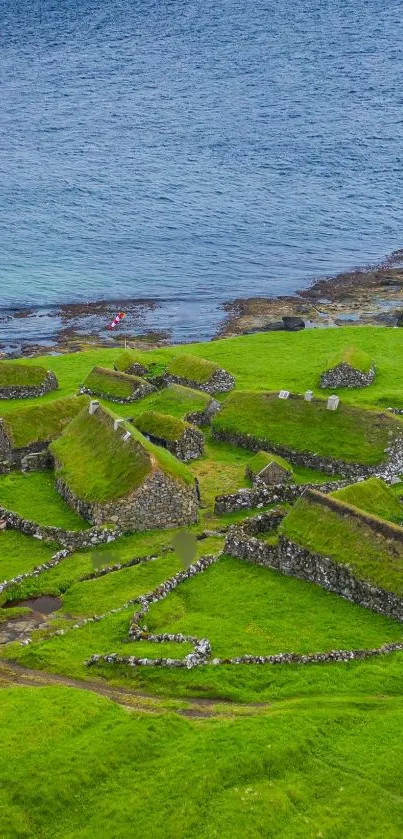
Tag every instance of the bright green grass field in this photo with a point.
(90, 769)
(370, 556)
(19, 554)
(33, 495)
(349, 434)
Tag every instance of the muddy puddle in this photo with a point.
(44, 605)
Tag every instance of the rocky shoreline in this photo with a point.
(371, 295)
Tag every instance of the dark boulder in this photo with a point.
(293, 323)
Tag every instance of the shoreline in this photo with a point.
(370, 295)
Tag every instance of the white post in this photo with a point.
(117, 423)
(308, 396)
(332, 403)
(93, 406)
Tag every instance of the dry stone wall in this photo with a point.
(189, 446)
(72, 540)
(220, 382)
(26, 391)
(206, 416)
(345, 376)
(262, 495)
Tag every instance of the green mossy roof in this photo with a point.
(176, 400)
(37, 423)
(369, 555)
(21, 375)
(126, 358)
(193, 368)
(112, 383)
(98, 466)
(373, 496)
(350, 434)
(354, 357)
(159, 425)
(262, 459)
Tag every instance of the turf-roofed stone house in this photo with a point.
(182, 439)
(132, 363)
(195, 372)
(269, 468)
(188, 404)
(23, 381)
(115, 386)
(351, 367)
(110, 473)
(25, 434)
(350, 442)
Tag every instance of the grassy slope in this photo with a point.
(33, 496)
(354, 356)
(102, 380)
(368, 555)
(160, 425)
(350, 434)
(45, 421)
(21, 375)
(373, 496)
(328, 770)
(19, 554)
(126, 358)
(175, 400)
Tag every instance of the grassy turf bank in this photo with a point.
(354, 357)
(373, 496)
(369, 556)
(21, 375)
(192, 368)
(42, 422)
(350, 434)
(161, 425)
(261, 459)
(33, 496)
(111, 382)
(176, 400)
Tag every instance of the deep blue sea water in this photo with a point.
(195, 151)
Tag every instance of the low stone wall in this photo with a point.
(219, 382)
(262, 496)
(320, 463)
(144, 389)
(345, 376)
(206, 416)
(72, 540)
(37, 461)
(295, 561)
(26, 392)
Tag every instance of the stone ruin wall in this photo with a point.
(206, 416)
(72, 540)
(219, 382)
(345, 376)
(262, 495)
(25, 391)
(144, 389)
(294, 561)
(189, 446)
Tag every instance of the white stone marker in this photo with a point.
(117, 423)
(333, 403)
(93, 406)
(126, 436)
(284, 394)
(308, 396)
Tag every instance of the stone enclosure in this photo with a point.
(48, 384)
(344, 375)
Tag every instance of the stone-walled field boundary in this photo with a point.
(386, 528)
(261, 496)
(72, 540)
(294, 561)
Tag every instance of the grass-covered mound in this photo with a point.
(176, 400)
(46, 421)
(369, 555)
(350, 434)
(161, 425)
(128, 357)
(373, 496)
(193, 368)
(355, 357)
(33, 496)
(262, 459)
(101, 381)
(21, 375)
(99, 466)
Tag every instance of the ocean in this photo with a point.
(191, 152)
